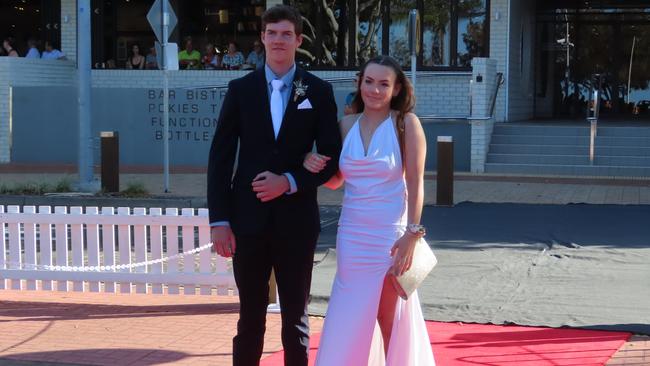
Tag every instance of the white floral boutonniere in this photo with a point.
(301, 89)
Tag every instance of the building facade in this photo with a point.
(546, 53)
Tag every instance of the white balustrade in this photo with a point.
(101, 250)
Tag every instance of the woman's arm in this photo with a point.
(141, 65)
(415, 150)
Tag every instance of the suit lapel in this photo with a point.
(287, 119)
(265, 107)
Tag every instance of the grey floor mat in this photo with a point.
(570, 265)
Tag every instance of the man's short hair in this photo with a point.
(279, 13)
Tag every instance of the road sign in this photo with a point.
(156, 20)
(172, 56)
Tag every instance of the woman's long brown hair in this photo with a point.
(403, 102)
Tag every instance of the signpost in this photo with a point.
(86, 172)
(414, 41)
(163, 20)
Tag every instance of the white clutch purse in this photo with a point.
(423, 262)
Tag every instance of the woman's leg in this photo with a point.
(386, 313)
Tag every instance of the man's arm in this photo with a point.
(328, 142)
(222, 158)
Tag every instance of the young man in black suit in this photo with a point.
(266, 216)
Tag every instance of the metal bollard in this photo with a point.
(445, 174)
(110, 160)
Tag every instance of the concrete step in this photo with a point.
(569, 150)
(539, 149)
(540, 130)
(642, 151)
(622, 161)
(624, 131)
(554, 130)
(578, 170)
(569, 140)
(538, 159)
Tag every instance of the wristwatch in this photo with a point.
(416, 229)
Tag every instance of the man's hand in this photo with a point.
(269, 186)
(223, 240)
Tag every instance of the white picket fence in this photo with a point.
(36, 244)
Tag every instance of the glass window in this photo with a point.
(399, 31)
(30, 19)
(369, 35)
(472, 27)
(436, 39)
(324, 33)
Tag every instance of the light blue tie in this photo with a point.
(276, 105)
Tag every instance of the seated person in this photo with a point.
(9, 47)
(51, 53)
(33, 51)
(189, 58)
(151, 62)
(136, 61)
(233, 60)
(210, 60)
(256, 57)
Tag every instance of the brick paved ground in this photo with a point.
(101, 329)
(58, 328)
(636, 352)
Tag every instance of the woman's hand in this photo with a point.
(315, 162)
(402, 253)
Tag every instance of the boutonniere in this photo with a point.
(301, 89)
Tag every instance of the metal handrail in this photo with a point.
(593, 112)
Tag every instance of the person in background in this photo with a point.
(349, 108)
(233, 60)
(9, 46)
(256, 57)
(33, 50)
(151, 62)
(189, 58)
(136, 61)
(51, 53)
(210, 60)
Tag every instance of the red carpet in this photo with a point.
(458, 344)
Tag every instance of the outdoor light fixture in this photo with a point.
(223, 16)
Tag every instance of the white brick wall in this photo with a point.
(498, 48)
(481, 129)
(69, 29)
(441, 94)
(436, 93)
(27, 72)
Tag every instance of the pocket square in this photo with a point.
(305, 104)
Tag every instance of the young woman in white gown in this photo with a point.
(366, 322)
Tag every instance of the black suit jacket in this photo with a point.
(245, 118)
